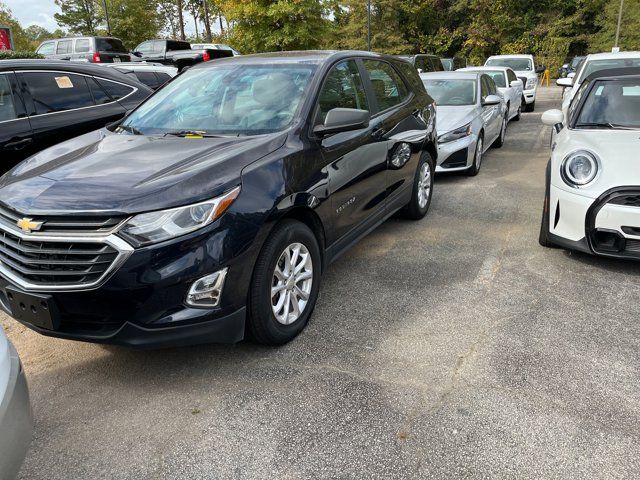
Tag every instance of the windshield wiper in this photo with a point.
(130, 129)
(186, 133)
(606, 125)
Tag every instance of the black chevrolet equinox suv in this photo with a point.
(210, 211)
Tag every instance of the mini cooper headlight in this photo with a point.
(579, 168)
(456, 134)
(154, 227)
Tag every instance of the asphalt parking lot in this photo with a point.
(453, 347)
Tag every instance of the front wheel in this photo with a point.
(530, 107)
(420, 201)
(285, 284)
(474, 169)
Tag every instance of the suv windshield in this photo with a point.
(110, 45)
(225, 100)
(612, 104)
(522, 64)
(452, 92)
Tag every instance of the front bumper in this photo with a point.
(16, 420)
(457, 155)
(601, 226)
(143, 303)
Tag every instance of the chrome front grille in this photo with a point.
(65, 254)
(70, 224)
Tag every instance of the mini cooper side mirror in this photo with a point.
(565, 82)
(553, 117)
(491, 100)
(343, 120)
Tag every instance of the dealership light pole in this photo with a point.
(106, 16)
(369, 25)
(619, 22)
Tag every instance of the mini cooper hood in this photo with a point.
(117, 173)
(452, 117)
(618, 153)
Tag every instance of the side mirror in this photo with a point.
(343, 120)
(137, 54)
(419, 70)
(571, 74)
(553, 117)
(516, 84)
(565, 82)
(541, 69)
(491, 100)
(566, 65)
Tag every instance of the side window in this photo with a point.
(7, 108)
(46, 48)
(57, 91)
(511, 76)
(163, 77)
(148, 78)
(158, 46)
(64, 46)
(144, 47)
(437, 64)
(82, 45)
(343, 88)
(388, 88)
(115, 90)
(492, 86)
(99, 95)
(422, 65)
(484, 86)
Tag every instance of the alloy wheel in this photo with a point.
(291, 283)
(424, 185)
(478, 152)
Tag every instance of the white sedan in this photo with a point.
(509, 85)
(592, 201)
(16, 421)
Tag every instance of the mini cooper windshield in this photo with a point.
(226, 100)
(613, 104)
(452, 92)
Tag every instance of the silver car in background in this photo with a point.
(16, 419)
(509, 85)
(472, 117)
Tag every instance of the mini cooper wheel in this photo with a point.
(285, 284)
(420, 201)
(503, 133)
(474, 169)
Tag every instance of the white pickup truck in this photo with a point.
(525, 69)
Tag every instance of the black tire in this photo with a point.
(499, 142)
(530, 107)
(262, 325)
(414, 210)
(474, 169)
(543, 237)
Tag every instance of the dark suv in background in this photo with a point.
(210, 212)
(424, 62)
(44, 102)
(85, 49)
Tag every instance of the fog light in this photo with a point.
(206, 291)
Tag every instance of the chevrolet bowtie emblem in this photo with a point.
(27, 225)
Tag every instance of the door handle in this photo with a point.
(18, 145)
(378, 133)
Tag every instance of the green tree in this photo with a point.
(272, 25)
(79, 16)
(132, 21)
(608, 20)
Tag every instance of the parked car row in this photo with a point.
(178, 54)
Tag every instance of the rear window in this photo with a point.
(115, 90)
(149, 79)
(110, 45)
(172, 45)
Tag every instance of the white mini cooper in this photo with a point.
(592, 200)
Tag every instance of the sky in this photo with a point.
(40, 12)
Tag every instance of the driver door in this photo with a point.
(355, 162)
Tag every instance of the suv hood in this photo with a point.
(125, 174)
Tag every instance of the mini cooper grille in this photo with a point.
(66, 224)
(61, 263)
(626, 200)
